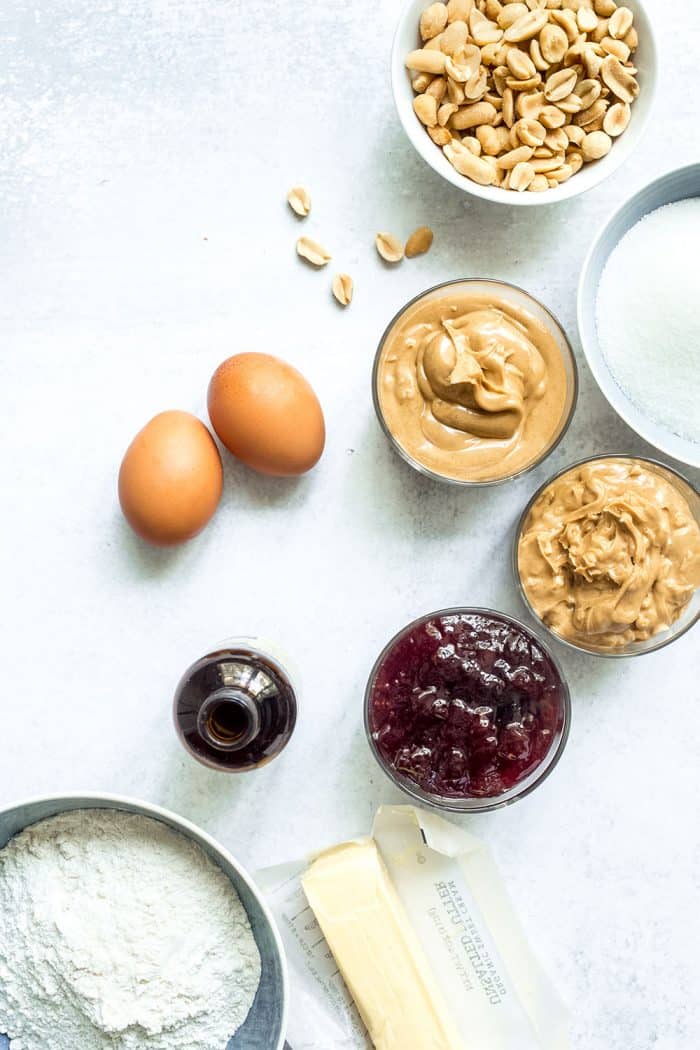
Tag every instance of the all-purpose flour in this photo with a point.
(117, 933)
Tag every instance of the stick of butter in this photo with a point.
(377, 951)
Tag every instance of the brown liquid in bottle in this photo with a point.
(235, 709)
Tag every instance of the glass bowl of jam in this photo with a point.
(467, 710)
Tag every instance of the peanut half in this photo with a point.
(299, 201)
(343, 288)
(312, 252)
(389, 247)
(419, 242)
(521, 94)
(433, 21)
(616, 119)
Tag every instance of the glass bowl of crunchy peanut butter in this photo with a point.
(474, 382)
(607, 555)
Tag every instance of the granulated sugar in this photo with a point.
(648, 315)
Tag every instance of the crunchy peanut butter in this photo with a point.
(473, 387)
(610, 554)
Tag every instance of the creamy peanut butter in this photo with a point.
(609, 554)
(472, 386)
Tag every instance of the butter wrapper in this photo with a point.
(448, 883)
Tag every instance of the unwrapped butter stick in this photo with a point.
(377, 951)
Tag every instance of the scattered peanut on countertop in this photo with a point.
(299, 201)
(389, 247)
(419, 242)
(521, 95)
(312, 252)
(343, 287)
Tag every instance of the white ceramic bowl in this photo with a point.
(407, 38)
(674, 186)
(265, 1026)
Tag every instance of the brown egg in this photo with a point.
(266, 414)
(171, 478)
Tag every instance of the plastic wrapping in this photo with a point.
(456, 902)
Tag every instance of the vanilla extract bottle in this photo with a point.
(235, 708)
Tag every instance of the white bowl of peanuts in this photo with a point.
(524, 101)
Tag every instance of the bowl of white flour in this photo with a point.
(638, 313)
(125, 927)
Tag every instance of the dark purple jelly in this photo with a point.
(466, 705)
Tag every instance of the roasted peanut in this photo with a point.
(299, 201)
(467, 164)
(620, 23)
(440, 136)
(437, 88)
(459, 10)
(553, 42)
(559, 85)
(619, 80)
(552, 117)
(526, 27)
(514, 156)
(616, 119)
(312, 252)
(454, 37)
(425, 107)
(510, 14)
(426, 61)
(343, 288)
(482, 30)
(596, 145)
(493, 140)
(521, 176)
(473, 116)
(530, 132)
(389, 247)
(419, 242)
(433, 21)
(521, 65)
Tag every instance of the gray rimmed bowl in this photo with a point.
(690, 615)
(677, 185)
(518, 297)
(265, 1026)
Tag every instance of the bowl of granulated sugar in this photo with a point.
(639, 313)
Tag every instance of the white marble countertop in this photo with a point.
(146, 147)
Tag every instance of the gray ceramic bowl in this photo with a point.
(265, 1026)
(674, 186)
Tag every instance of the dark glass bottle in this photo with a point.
(235, 708)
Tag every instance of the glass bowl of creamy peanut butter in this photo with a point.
(474, 382)
(607, 555)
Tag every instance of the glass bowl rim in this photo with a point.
(459, 482)
(471, 805)
(616, 655)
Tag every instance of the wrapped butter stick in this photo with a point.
(377, 951)
(432, 891)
